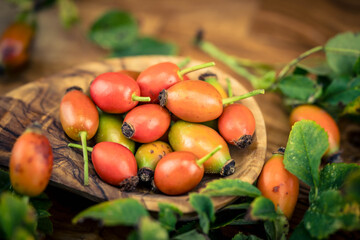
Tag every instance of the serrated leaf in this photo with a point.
(16, 216)
(117, 212)
(263, 208)
(297, 87)
(146, 46)
(241, 236)
(342, 61)
(168, 215)
(333, 176)
(230, 187)
(149, 229)
(326, 216)
(68, 12)
(307, 143)
(193, 235)
(205, 210)
(114, 30)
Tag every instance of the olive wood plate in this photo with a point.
(39, 101)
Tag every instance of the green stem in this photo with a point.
(246, 95)
(83, 135)
(184, 62)
(230, 61)
(139, 98)
(295, 61)
(229, 87)
(74, 145)
(201, 161)
(197, 67)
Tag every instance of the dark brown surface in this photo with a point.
(272, 31)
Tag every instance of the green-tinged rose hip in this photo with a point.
(147, 157)
(200, 140)
(110, 131)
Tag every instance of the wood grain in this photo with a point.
(39, 101)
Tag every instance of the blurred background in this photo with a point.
(268, 31)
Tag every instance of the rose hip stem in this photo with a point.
(246, 95)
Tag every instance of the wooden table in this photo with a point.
(272, 31)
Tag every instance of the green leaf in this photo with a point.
(306, 145)
(41, 202)
(114, 30)
(205, 209)
(342, 51)
(278, 228)
(263, 208)
(117, 212)
(168, 215)
(301, 233)
(68, 12)
(149, 229)
(146, 46)
(326, 215)
(352, 186)
(4, 181)
(231, 215)
(356, 68)
(241, 236)
(276, 224)
(342, 91)
(353, 108)
(333, 176)
(230, 187)
(297, 87)
(17, 216)
(193, 235)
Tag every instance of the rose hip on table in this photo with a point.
(278, 184)
(80, 120)
(180, 171)
(146, 123)
(115, 92)
(31, 162)
(162, 76)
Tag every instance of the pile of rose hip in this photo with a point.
(183, 127)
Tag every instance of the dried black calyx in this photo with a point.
(163, 98)
(127, 129)
(207, 75)
(228, 168)
(129, 184)
(145, 174)
(281, 150)
(244, 141)
(74, 88)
